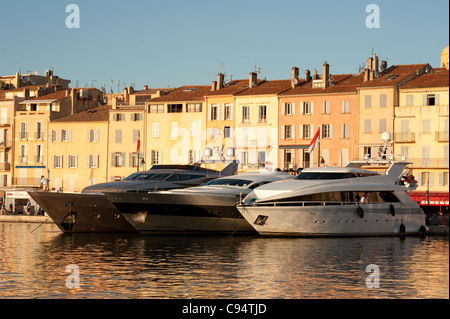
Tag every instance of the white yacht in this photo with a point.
(209, 208)
(327, 202)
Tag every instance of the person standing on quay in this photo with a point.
(44, 183)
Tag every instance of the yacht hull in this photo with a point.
(81, 213)
(158, 213)
(335, 220)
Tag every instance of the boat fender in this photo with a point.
(422, 229)
(392, 209)
(402, 229)
(360, 212)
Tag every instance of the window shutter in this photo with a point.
(52, 161)
(301, 131)
(424, 99)
(283, 108)
(293, 132)
(293, 108)
(431, 178)
(283, 130)
(436, 101)
(123, 159)
(331, 130)
(210, 117)
(302, 108)
(441, 179)
(112, 159)
(312, 107)
(130, 159)
(67, 161)
(231, 111)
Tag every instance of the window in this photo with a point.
(262, 114)
(93, 136)
(228, 112)
(214, 112)
(73, 161)
(92, 161)
(66, 135)
(244, 158)
(289, 132)
(193, 127)
(308, 108)
(404, 150)
(23, 130)
(410, 100)
(426, 156)
(174, 108)
(33, 107)
(345, 131)
(23, 153)
(327, 131)
(346, 106)
(39, 154)
(289, 109)
(39, 131)
(158, 108)
(425, 178)
(118, 159)
(155, 157)
(326, 107)
(53, 136)
(134, 159)
(57, 161)
(136, 134)
(192, 156)
(136, 117)
(367, 126)
(193, 107)
(155, 129)
(227, 131)
(443, 179)
(118, 136)
(383, 100)
(368, 101)
(382, 126)
(246, 114)
(426, 126)
(174, 130)
(431, 99)
(118, 117)
(307, 131)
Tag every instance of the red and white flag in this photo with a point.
(314, 142)
(138, 143)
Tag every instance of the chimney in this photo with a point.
(375, 64)
(213, 85)
(326, 75)
(125, 95)
(253, 80)
(294, 77)
(307, 76)
(145, 87)
(366, 74)
(383, 66)
(220, 81)
(314, 74)
(114, 103)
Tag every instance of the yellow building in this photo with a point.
(31, 130)
(221, 110)
(176, 126)
(257, 124)
(378, 98)
(78, 150)
(422, 130)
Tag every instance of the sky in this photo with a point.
(175, 43)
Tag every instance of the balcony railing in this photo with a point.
(22, 159)
(39, 135)
(429, 162)
(441, 136)
(405, 137)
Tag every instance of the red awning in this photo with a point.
(436, 199)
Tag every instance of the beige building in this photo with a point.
(378, 98)
(422, 130)
(32, 134)
(78, 150)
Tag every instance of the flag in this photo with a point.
(314, 142)
(138, 143)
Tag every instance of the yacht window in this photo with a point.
(183, 177)
(324, 175)
(231, 182)
(146, 176)
(344, 197)
(258, 184)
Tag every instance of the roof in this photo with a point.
(58, 95)
(342, 83)
(151, 91)
(268, 87)
(394, 75)
(231, 88)
(187, 93)
(437, 78)
(97, 114)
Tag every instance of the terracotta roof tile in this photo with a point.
(342, 83)
(268, 87)
(437, 78)
(58, 95)
(394, 75)
(187, 93)
(231, 88)
(97, 114)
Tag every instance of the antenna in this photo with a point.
(257, 69)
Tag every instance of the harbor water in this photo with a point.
(39, 261)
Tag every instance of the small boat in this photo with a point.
(90, 210)
(326, 201)
(206, 209)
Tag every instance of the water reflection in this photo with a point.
(33, 265)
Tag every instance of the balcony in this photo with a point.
(441, 136)
(39, 135)
(405, 137)
(429, 162)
